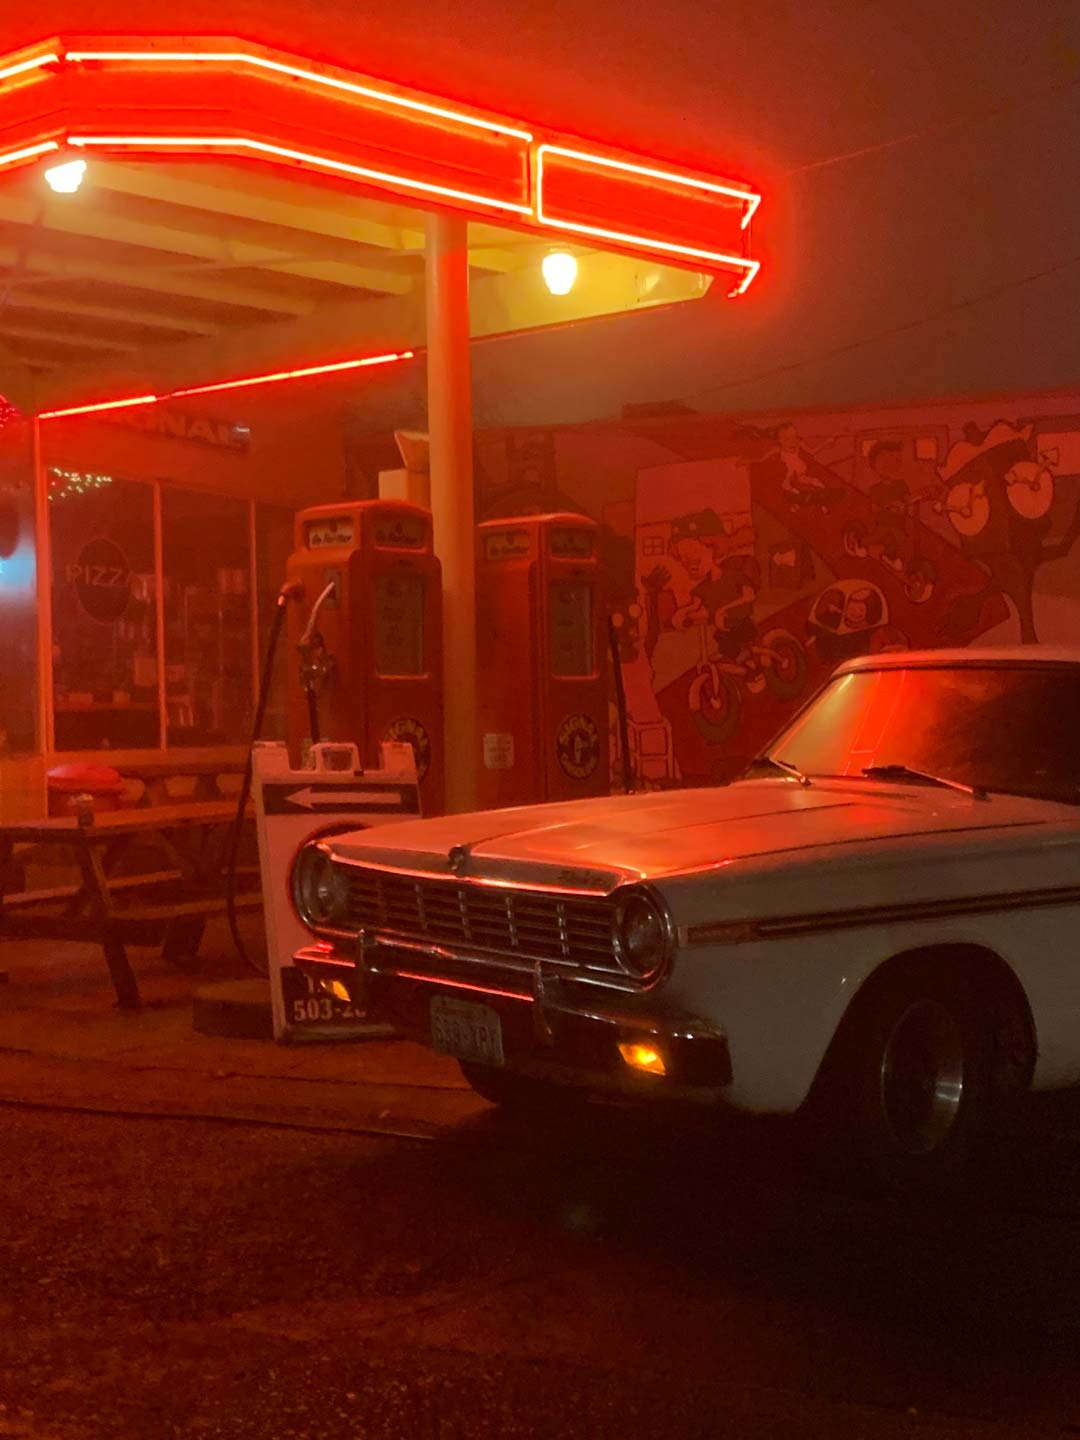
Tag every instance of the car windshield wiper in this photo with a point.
(767, 762)
(905, 772)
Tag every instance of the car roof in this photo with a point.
(998, 655)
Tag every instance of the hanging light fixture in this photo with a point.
(65, 179)
(559, 270)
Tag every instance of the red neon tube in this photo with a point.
(24, 67)
(549, 184)
(28, 152)
(277, 67)
(651, 243)
(291, 374)
(241, 143)
(269, 379)
(99, 405)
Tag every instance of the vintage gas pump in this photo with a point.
(372, 660)
(541, 660)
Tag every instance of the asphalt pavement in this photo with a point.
(236, 1239)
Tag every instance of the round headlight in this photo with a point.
(642, 935)
(320, 888)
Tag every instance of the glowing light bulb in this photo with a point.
(559, 271)
(65, 179)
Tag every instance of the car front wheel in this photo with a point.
(907, 1085)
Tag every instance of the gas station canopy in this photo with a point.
(247, 213)
(181, 216)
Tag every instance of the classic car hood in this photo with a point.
(596, 844)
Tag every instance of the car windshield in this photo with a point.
(1014, 729)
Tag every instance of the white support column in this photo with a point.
(43, 562)
(159, 618)
(449, 388)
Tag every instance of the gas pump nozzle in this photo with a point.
(330, 592)
(316, 662)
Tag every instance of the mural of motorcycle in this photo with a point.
(893, 538)
(777, 663)
(851, 618)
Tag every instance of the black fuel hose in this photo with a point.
(620, 705)
(292, 590)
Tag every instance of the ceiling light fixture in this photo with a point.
(66, 178)
(559, 270)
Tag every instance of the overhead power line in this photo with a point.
(930, 132)
(888, 332)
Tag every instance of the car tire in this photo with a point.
(517, 1092)
(907, 1091)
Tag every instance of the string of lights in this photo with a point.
(69, 484)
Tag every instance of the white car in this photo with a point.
(881, 918)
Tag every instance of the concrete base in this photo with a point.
(238, 1009)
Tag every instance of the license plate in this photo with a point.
(466, 1030)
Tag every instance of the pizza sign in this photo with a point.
(101, 579)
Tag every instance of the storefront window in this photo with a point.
(104, 620)
(206, 568)
(18, 606)
(106, 610)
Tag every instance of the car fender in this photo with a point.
(781, 1001)
(779, 1004)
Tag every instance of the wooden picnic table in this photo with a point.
(169, 904)
(209, 779)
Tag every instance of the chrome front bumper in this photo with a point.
(552, 1029)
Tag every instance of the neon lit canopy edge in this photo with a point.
(244, 383)
(91, 94)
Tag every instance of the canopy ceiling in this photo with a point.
(244, 211)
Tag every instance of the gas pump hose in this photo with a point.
(291, 590)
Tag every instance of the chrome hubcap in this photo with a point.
(922, 1077)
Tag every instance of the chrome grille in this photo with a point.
(467, 917)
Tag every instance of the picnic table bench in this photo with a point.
(168, 905)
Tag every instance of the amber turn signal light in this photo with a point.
(640, 1056)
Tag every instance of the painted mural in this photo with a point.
(747, 556)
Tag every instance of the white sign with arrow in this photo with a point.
(332, 796)
(311, 799)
